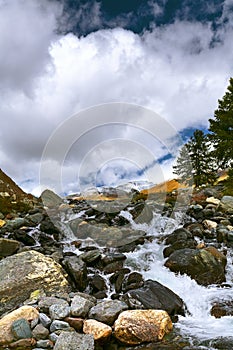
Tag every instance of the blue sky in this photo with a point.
(59, 58)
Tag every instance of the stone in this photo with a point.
(75, 322)
(107, 311)
(59, 311)
(209, 224)
(134, 327)
(50, 199)
(8, 247)
(226, 204)
(44, 344)
(204, 265)
(222, 308)
(28, 313)
(80, 306)
(153, 295)
(22, 344)
(100, 331)
(21, 329)
(213, 200)
(44, 320)
(74, 341)
(98, 283)
(40, 332)
(57, 325)
(90, 257)
(45, 303)
(2, 223)
(22, 273)
(14, 224)
(77, 270)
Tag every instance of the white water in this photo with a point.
(148, 259)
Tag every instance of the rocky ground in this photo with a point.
(64, 284)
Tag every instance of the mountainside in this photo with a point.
(9, 189)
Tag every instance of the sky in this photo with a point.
(61, 61)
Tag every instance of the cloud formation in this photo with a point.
(178, 70)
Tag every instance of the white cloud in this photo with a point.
(177, 70)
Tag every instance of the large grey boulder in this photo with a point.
(23, 273)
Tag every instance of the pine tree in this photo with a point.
(195, 163)
(221, 128)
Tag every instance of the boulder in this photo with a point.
(222, 308)
(22, 273)
(8, 247)
(154, 295)
(50, 199)
(77, 270)
(134, 327)
(107, 311)
(74, 341)
(100, 331)
(226, 204)
(27, 313)
(206, 266)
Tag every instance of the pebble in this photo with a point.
(56, 325)
(59, 311)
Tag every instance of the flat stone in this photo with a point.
(74, 341)
(21, 329)
(28, 313)
(24, 344)
(46, 302)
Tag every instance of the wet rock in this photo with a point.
(220, 343)
(90, 257)
(100, 331)
(180, 244)
(24, 237)
(48, 227)
(8, 247)
(98, 283)
(107, 311)
(154, 295)
(204, 265)
(21, 329)
(26, 312)
(40, 332)
(134, 327)
(180, 234)
(133, 281)
(77, 270)
(12, 225)
(74, 341)
(222, 308)
(80, 306)
(22, 273)
(142, 215)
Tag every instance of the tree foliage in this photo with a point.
(195, 164)
(221, 128)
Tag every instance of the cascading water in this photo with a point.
(198, 323)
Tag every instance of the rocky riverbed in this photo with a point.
(67, 279)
